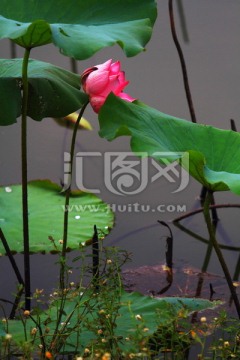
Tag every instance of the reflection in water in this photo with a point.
(209, 244)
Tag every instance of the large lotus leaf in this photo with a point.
(53, 92)
(79, 28)
(154, 312)
(214, 154)
(46, 212)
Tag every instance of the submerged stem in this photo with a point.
(67, 199)
(211, 231)
(25, 180)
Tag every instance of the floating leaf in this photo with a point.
(214, 154)
(53, 91)
(46, 212)
(84, 309)
(79, 28)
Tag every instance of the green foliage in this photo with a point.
(79, 28)
(82, 319)
(214, 154)
(2, 331)
(46, 212)
(53, 91)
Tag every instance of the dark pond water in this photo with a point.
(212, 56)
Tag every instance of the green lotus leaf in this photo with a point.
(79, 28)
(53, 92)
(154, 312)
(46, 213)
(211, 155)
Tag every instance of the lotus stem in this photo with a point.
(11, 258)
(211, 231)
(95, 259)
(27, 280)
(183, 23)
(65, 224)
(197, 211)
(182, 61)
(67, 199)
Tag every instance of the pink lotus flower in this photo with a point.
(98, 81)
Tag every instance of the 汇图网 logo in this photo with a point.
(126, 173)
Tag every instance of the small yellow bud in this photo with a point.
(193, 334)
(8, 337)
(34, 331)
(38, 291)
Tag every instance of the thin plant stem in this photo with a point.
(202, 239)
(233, 125)
(237, 270)
(11, 258)
(211, 231)
(207, 258)
(169, 243)
(67, 200)
(186, 83)
(74, 66)
(95, 259)
(17, 273)
(16, 302)
(25, 180)
(65, 224)
(13, 49)
(182, 20)
(197, 211)
(182, 61)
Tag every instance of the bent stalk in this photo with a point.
(62, 284)
(67, 199)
